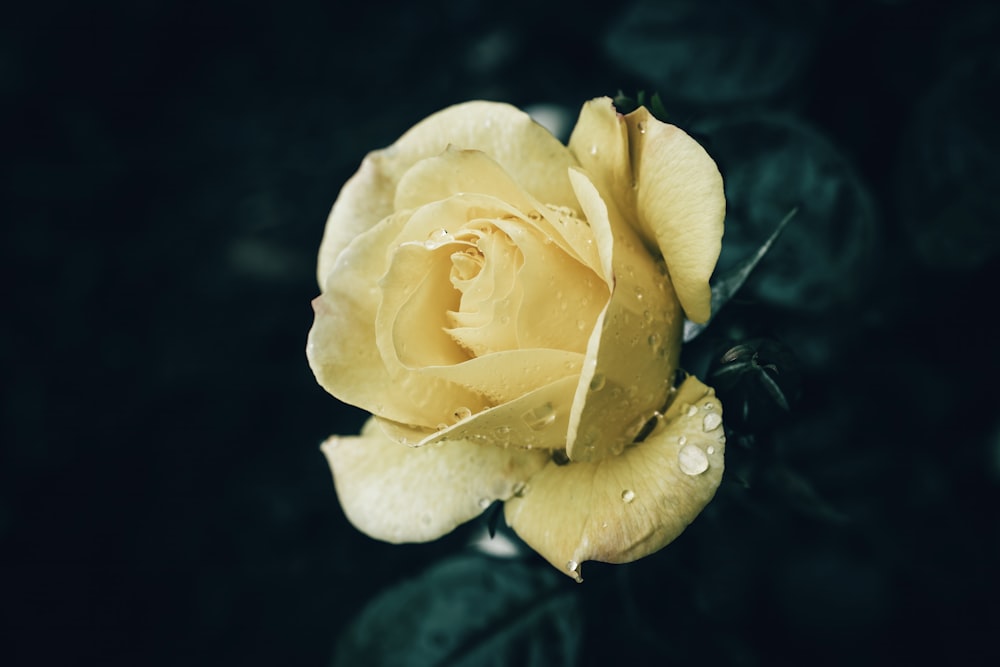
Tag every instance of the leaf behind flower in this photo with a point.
(468, 611)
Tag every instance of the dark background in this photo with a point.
(168, 167)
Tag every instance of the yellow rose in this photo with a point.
(509, 309)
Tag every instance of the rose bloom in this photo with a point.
(509, 309)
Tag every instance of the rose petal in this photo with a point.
(402, 494)
(635, 347)
(342, 348)
(522, 147)
(561, 297)
(622, 508)
(505, 376)
(492, 193)
(674, 192)
(535, 420)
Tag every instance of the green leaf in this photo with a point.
(468, 611)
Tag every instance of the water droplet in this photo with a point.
(484, 503)
(628, 495)
(692, 411)
(461, 413)
(597, 382)
(648, 316)
(639, 293)
(442, 426)
(710, 449)
(682, 440)
(502, 430)
(593, 149)
(711, 422)
(573, 566)
(519, 489)
(654, 340)
(641, 127)
(708, 406)
(488, 123)
(539, 417)
(581, 325)
(692, 460)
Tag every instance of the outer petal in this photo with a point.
(535, 420)
(674, 193)
(633, 351)
(402, 494)
(523, 148)
(625, 507)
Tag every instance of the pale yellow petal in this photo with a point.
(342, 348)
(398, 494)
(504, 376)
(537, 419)
(526, 150)
(632, 354)
(561, 297)
(681, 204)
(625, 507)
(474, 180)
(600, 143)
(663, 182)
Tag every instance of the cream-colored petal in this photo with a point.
(600, 143)
(663, 182)
(459, 171)
(526, 150)
(403, 494)
(680, 202)
(341, 345)
(342, 348)
(561, 296)
(633, 351)
(474, 180)
(416, 297)
(625, 507)
(537, 419)
(504, 376)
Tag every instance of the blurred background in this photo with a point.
(167, 171)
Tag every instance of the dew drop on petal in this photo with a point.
(484, 503)
(573, 568)
(692, 460)
(540, 417)
(628, 495)
(641, 127)
(462, 413)
(711, 422)
(682, 440)
(692, 411)
(593, 149)
(710, 449)
(597, 382)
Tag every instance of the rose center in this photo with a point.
(484, 271)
